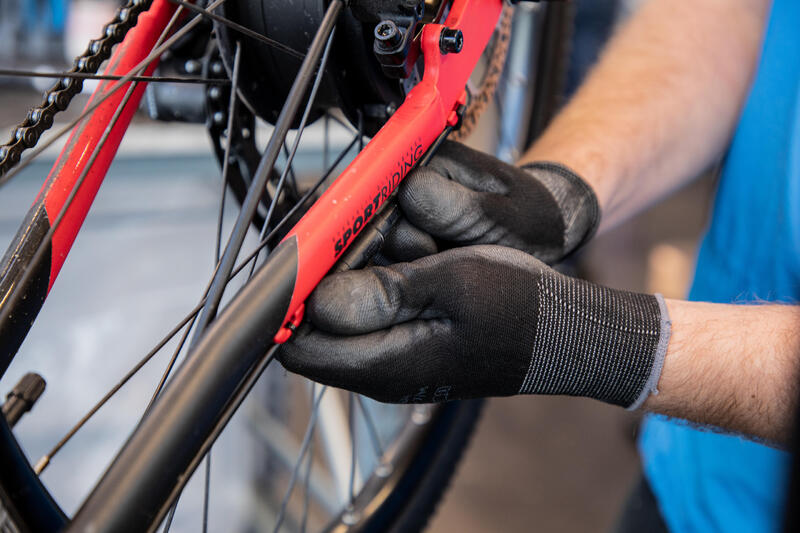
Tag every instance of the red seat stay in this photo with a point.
(83, 140)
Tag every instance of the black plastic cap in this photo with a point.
(451, 41)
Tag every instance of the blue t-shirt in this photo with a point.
(712, 482)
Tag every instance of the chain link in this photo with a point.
(40, 118)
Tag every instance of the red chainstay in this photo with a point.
(344, 209)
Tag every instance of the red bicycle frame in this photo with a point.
(75, 156)
(80, 155)
(328, 227)
(344, 209)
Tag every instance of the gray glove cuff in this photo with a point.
(651, 386)
(596, 342)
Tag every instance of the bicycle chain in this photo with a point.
(40, 119)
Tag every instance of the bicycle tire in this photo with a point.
(410, 507)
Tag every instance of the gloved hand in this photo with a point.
(466, 197)
(479, 321)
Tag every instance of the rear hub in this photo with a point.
(354, 79)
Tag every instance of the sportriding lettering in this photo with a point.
(405, 165)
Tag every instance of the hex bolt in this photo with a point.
(451, 41)
(387, 35)
(219, 117)
(214, 93)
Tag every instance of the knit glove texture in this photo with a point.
(479, 321)
(464, 197)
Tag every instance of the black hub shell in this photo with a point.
(353, 79)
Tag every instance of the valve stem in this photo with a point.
(22, 397)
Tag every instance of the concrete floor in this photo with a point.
(543, 464)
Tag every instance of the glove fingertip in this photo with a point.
(357, 302)
(335, 305)
(438, 205)
(407, 243)
(420, 187)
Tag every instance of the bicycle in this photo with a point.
(230, 346)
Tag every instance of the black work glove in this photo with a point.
(466, 197)
(479, 321)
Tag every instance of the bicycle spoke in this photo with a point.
(253, 198)
(225, 167)
(498, 101)
(303, 450)
(292, 175)
(170, 516)
(206, 491)
(86, 76)
(170, 365)
(301, 128)
(193, 314)
(307, 489)
(241, 29)
(352, 426)
(218, 243)
(307, 196)
(360, 131)
(141, 66)
(43, 248)
(371, 428)
(227, 161)
(44, 461)
(233, 405)
(325, 140)
(307, 477)
(40, 252)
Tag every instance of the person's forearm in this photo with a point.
(736, 367)
(661, 104)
